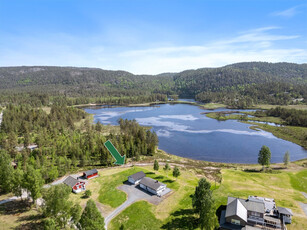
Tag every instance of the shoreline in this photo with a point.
(249, 121)
(207, 106)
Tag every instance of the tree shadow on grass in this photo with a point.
(183, 219)
(15, 207)
(159, 177)
(168, 181)
(149, 173)
(34, 217)
(30, 226)
(185, 222)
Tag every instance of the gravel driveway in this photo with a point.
(135, 193)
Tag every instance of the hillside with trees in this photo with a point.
(238, 85)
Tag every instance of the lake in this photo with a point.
(184, 131)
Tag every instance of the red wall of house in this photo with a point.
(95, 174)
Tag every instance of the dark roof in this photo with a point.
(138, 175)
(286, 211)
(236, 208)
(151, 183)
(90, 172)
(70, 181)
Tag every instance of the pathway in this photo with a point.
(134, 193)
(23, 196)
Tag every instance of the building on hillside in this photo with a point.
(76, 185)
(254, 213)
(285, 214)
(152, 186)
(136, 178)
(90, 173)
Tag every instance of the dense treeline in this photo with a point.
(275, 93)
(239, 85)
(66, 139)
(38, 99)
(290, 116)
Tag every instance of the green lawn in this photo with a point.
(110, 195)
(175, 212)
(299, 180)
(172, 211)
(137, 216)
(284, 187)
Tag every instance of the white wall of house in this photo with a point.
(156, 192)
(78, 190)
(132, 181)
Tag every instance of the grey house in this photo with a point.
(285, 214)
(152, 186)
(254, 213)
(136, 178)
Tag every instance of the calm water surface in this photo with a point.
(184, 131)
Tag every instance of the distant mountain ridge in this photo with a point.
(82, 81)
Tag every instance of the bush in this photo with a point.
(87, 193)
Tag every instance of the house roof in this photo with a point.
(151, 183)
(286, 211)
(70, 181)
(138, 175)
(254, 206)
(269, 203)
(90, 172)
(236, 208)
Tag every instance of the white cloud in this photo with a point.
(288, 13)
(252, 45)
(260, 44)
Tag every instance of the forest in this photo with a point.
(238, 85)
(63, 145)
(290, 116)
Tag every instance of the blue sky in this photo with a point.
(151, 36)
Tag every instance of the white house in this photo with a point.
(152, 186)
(136, 178)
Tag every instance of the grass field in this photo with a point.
(285, 187)
(263, 106)
(164, 214)
(294, 134)
(215, 115)
(176, 211)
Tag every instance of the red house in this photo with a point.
(90, 173)
(76, 185)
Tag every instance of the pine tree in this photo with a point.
(91, 218)
(166, 167)
(287, 158)
(6, 172)
(203, 205)
(176, 172)
(156, 165)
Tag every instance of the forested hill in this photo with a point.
(251, 82)
(78, 81)
(282, 69)
(192, 82)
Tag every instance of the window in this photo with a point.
(233, 221)
(255, 214)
